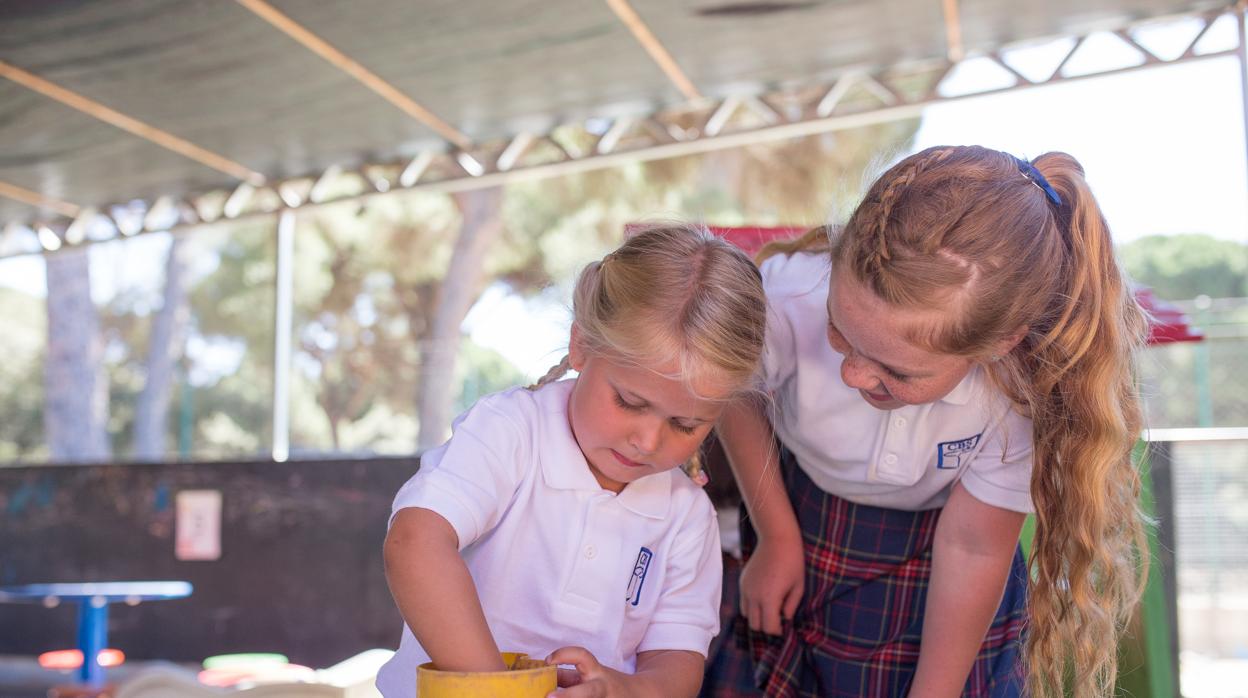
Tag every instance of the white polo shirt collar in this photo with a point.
(564, 467)
(553, 555)
(907, 458)
(962, 392)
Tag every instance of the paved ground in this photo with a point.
(22, 677)
(1202, 677)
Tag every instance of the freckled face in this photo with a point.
(631, 422)
(886, 368)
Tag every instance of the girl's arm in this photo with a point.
(774, 578)
(659, 673)
(971, 556)
(670, 672)
(434, 592)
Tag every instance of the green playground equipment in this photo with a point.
(1148, 657)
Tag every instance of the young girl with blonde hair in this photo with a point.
(552, 522)
(957, 355)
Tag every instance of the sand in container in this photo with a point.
(524, 678)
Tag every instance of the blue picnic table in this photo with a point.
(93, 599)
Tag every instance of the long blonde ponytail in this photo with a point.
(1091, 556)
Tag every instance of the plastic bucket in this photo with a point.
(524, 678)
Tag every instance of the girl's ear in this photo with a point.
(576, 353)
(1005, 346)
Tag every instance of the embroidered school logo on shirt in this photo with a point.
(639, 575)
(949, 454)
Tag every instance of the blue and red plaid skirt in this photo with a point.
(858, 628)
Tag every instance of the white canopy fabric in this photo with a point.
(219, 79)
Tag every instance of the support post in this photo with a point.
(92, 631)
(283, 325)
(1241, 16)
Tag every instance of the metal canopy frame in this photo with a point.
(855, 98)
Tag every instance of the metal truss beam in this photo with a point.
(856, 98)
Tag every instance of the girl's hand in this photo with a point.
(590, 679)
(772, 583)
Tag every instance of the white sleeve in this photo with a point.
(687, 616)
(1000, 475)
(470, 480)
(779, 354)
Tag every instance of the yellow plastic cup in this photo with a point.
(524, 678)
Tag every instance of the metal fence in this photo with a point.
(1200, 477)
(1201, 384)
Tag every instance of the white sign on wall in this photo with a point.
(198, 529)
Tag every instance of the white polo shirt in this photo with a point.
(556, 559)
(907, 458)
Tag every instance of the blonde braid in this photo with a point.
(556, 372)
(696, 470)
(592, 275)
(813, 240)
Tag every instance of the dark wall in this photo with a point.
(300, 569)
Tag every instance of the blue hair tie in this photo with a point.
(1030, 172)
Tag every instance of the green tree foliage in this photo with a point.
(21, 377)
(223, 390)
(481, 371)
(1179, 267)
(229, 370)
(367, 277)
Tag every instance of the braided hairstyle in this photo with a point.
(673, 294)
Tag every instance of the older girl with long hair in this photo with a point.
(957, 355)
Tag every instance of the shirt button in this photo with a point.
(590, 551)
(899, 422)
(890, 459)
